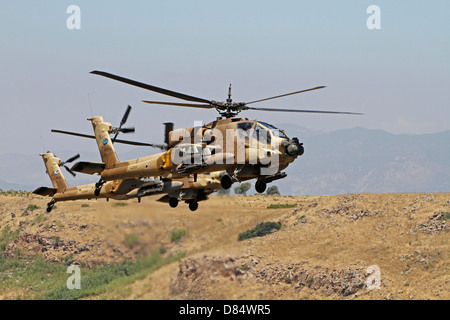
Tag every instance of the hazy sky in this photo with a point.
(399, 76)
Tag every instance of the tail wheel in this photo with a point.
(193, 206)
(260, 186)
(173, 202)
(50, 206)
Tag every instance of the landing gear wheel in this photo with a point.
(226, 182)
(50, 206)
(98, 187)
(193, 206)
(260, 186)
(173, 202)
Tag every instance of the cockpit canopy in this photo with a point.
(275, 131)
(262, 131)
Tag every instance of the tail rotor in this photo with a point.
(122, 122)
(71, 159)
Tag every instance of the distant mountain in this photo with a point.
(13, 186)
(361, 160)
(345, 161)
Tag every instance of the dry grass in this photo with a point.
(334, 232)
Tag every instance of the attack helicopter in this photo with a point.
(187, 187)
(252, 149)
(117, 189)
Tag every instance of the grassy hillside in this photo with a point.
(328, 247)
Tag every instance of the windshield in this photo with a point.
(261, 135)
(275, 131)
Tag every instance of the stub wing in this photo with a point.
(216, 162)
(88, 167)
(45, 191)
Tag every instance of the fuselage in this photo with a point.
(224, 144)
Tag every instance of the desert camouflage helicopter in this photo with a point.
(159, 167)
(250, 148)
(117, 189)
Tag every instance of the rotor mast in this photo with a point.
(227, 109)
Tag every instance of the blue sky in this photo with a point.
(398, 76)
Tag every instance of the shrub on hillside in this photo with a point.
(260, 230)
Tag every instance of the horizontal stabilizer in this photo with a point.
(45, 191)
(88, 167)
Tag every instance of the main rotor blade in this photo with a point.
(150, 87)
(304, 111)
(287, 94)
(133, 143)
(192, 105)
(74, 134)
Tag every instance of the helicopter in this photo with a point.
(252, 149)
(117, 189)
(194, 187)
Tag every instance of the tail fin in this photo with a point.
(54, 171)
(102, 132)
